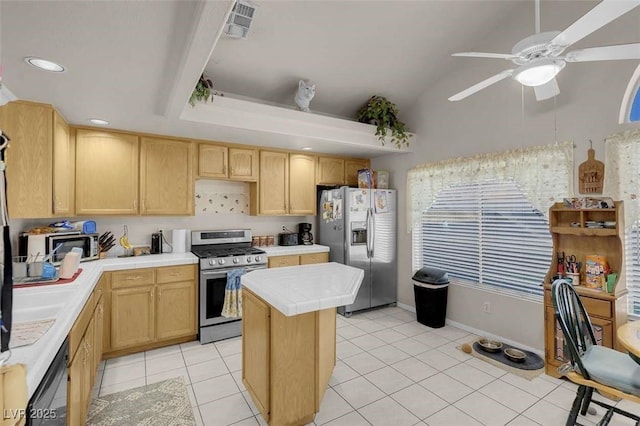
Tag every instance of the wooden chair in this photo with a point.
(592, 366)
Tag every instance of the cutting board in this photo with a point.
(591, 174)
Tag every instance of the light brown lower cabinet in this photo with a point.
(150, 307)
(286, 361)
(295, 259)
(85, 353)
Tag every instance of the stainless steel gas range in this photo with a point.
(221, 251)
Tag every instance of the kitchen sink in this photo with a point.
(32, 304)
(36, 313)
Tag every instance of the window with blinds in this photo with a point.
(632, 267)
(486, 233)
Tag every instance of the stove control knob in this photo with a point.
(236, 260)
(220, 261)
(258, 259)
(212, 262)
(249, 259)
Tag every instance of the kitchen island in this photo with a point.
(289, 336)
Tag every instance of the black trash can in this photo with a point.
(430, 286)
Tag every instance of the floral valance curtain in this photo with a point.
(544, 173)
(622, 172)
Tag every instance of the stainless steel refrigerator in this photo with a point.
(359, 226)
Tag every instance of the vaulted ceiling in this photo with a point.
(134, 63)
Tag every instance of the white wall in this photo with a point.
(141, 227)
(492, 121)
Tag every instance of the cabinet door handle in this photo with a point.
(135, 204)
(133, 278)
(143, 208)
(159, 294)
(151, 293)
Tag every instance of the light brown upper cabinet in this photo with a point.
(330, 171)
(243, 164)
(221, 162)
(339, 171)
(286, 185)
(166, 177)
(39, 161)
(106, 173)
(351, 167)
(64, 167)
(212, 161)
(273, 197)
(302, 186)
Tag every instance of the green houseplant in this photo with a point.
(384, 114)
(203, 90)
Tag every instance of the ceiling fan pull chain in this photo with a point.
(537, 16)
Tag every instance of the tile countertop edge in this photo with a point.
(294, 250)
(38, 356)
(281, 287)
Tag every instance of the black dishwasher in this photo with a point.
(48, 405)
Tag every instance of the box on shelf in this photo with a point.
(381, 178)
(366, 179)
(596, 269)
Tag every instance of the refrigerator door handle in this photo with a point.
(372, 231)
(369, 233)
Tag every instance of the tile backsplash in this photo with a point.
(218, 205)
(216, 199)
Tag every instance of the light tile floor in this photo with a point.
(391, 371)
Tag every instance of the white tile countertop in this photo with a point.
(64, 302)
(300, 289)
(293, 250)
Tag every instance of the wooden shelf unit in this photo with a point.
(607, 311)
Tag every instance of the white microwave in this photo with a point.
(37, 246)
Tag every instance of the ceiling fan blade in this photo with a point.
(479, 86)
(485, 55)
(605, 53)
(604, 12)
(547, 90)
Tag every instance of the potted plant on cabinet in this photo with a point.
(384, 115)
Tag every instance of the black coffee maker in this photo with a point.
(304, 234)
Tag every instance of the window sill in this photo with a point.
(502, 292)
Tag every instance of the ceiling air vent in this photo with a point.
(239, 21)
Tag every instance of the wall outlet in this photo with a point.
(486, 307)
(284, 228)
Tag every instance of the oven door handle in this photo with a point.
(208, 273)
(224, 271)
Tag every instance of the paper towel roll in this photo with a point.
(70, 264)
(179, 240)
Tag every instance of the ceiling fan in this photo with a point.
(540, 57)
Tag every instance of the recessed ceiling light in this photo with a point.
(307, 148)
(43, 64)
(98, 121)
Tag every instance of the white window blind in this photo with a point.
(632, 264)
(486, 233)
(621, 182)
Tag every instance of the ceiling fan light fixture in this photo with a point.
(538, 72)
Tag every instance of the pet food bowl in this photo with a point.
(515, 355)
(489, 345)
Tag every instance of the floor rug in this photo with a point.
(160, 404)
(530, 369)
